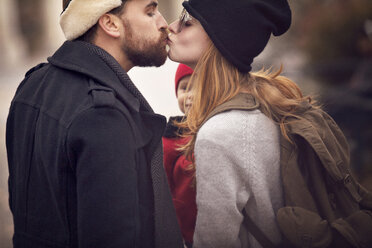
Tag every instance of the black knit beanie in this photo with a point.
(240, 29)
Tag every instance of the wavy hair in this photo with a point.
(215, 81)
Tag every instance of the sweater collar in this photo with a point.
(242, 101)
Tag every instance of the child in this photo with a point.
(180, 177)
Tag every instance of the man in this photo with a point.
(84, 146)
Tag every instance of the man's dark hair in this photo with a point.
(89, 35)
(65, 4)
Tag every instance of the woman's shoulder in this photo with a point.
(235, 123)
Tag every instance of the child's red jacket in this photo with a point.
(180, 180)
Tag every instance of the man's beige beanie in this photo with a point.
(81, 15)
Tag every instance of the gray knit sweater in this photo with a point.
(237, 159)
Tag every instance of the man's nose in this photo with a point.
(162, 23)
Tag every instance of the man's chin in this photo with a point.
(165, 55)
(161, 63)
(162, 58)
(154, 57)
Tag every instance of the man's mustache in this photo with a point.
(164, 34)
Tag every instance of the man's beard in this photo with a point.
(144, 52)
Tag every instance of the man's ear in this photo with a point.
(110, 24)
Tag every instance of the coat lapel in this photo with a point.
(76, 56)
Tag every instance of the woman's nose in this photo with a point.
(173, 27)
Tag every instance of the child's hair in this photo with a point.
(216, 81)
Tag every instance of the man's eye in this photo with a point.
(151, 14)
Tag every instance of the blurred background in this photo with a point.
(328, 52)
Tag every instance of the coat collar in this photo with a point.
(242, 101)
(76, 56)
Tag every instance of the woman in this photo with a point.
(236, 152)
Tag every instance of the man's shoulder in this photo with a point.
(36, 68)
(101, 100)
(236, 127)
(64, 95)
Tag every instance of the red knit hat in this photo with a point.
(182, 71)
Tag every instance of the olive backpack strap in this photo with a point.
(253, 229)
(242, 101)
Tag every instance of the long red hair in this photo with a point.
(216, 80)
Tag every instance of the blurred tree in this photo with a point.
(336, 37)
(329, 32)
(31, 20)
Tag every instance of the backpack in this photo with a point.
(324, 205)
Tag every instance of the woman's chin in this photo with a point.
(173, 58)
(170, 56)
(177, 59)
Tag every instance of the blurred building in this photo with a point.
(29, 28)
(336, 39)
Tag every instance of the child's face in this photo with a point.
(184, 96)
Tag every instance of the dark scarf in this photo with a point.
(171, 130)
(122, 75)
(167, 231)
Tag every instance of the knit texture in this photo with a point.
(240, 29)
(237, 166)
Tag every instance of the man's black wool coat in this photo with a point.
(79, 149)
